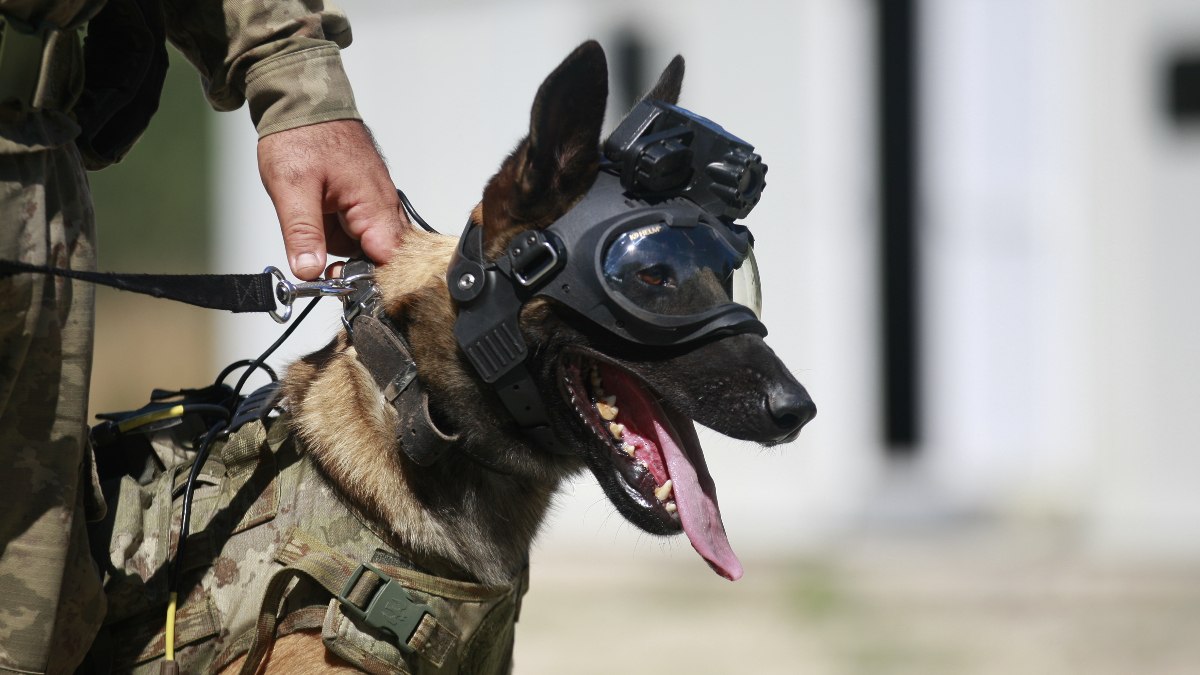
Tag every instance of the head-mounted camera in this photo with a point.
(650, 253)
(662, 150)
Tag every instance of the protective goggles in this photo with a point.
(660, 274)
(677, 271)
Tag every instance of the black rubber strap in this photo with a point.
(232, 292)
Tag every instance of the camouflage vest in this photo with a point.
(272, 549)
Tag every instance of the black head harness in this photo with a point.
(651, 253)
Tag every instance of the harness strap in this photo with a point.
(306, 618)
(303, 555)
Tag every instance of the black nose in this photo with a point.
(791, 408)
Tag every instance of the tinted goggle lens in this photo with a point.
(680, 271)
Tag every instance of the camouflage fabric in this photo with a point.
(50, 589)
(268, 531)
(244, 51)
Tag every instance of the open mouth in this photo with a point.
(652, 454)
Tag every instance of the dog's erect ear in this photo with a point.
(556, 164)
(669, 83)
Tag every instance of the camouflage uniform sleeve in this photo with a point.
(282, 56)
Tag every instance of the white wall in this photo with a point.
(1145, 176)
(1004, 223)
(1061, 238)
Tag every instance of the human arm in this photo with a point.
(318, 162)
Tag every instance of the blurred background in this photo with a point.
(979, 252)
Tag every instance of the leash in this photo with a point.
(268, 291)
(233, 292)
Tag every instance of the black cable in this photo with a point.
(211, 435)
(245, 362)
(270, 350)
(186, 513)
(412, 213)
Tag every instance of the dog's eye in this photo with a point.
(657, 275)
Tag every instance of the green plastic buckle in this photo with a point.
(392, 609)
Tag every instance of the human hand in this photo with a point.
(332, 192)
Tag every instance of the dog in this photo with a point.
(624, 411)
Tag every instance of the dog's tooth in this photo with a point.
(616, 429)
(670, 507)
(610, 400)
(607, 410)
(629, 449)
(663, 491)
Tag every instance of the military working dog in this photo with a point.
(455, 531)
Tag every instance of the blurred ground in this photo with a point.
(976, 601)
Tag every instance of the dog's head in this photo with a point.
(628, 408)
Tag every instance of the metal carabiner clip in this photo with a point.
(287, 292)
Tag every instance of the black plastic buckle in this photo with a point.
(532, 255)
(257, 406)
(392, 609)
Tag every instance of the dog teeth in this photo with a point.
(610, 400)
(607, 410)
(628, 449)
(670, 507)
(616, 429)
(663, 491)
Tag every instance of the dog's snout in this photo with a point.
(791, 408)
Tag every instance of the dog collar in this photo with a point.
(384, 352)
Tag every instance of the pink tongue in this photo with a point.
(696, 497)
(695, 492)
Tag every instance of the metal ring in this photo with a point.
(356, 277)
(285, 293)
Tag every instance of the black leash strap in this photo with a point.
(232, 292)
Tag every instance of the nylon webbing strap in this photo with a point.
(306, 556)
(232, 292)
(308, 618)
(302, 556)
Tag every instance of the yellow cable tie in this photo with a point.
(148, 418)
(170, 636)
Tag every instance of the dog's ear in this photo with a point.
(556, 163)
(669, 83)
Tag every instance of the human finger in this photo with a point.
(298, 204)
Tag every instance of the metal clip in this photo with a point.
(287, 292)
(365, 298)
